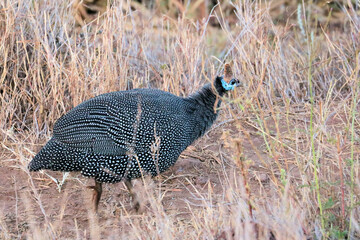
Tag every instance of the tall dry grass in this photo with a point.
(288, 142)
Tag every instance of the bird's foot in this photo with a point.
(136, 204)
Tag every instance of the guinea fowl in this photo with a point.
(120, 136)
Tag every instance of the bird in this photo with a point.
(124, 135)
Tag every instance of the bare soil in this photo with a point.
(203, 169)
(198, 170)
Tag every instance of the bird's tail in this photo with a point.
(57, 157)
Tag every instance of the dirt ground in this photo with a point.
(206, 168)
(200, 168)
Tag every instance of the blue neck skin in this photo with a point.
(227, 86)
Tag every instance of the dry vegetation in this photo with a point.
(281, 162)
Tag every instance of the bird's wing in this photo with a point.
(99, 125)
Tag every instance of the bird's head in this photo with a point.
(227, 82)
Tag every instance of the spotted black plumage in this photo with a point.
(121, 135)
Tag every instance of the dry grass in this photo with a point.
(281, 162)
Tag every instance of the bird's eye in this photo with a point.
(234, 81)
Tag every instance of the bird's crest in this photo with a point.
(228, 73)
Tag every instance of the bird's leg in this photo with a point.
(136, 202)
(97, 194)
